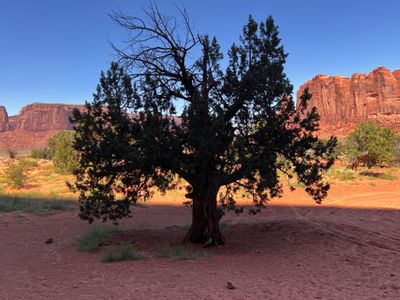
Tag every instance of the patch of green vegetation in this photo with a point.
(376, 175)
(125, 253)
(297, 184)
(342, 174)
(62, 151)
(28, 163)
(95, 237)
(185, 226)
(11, 204)
(15, 175)
(184, 252)
(41, 153)
(162, 249)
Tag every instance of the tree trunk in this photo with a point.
(205, 218)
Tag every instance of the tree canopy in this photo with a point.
(371, 145)
(168, 108)
(62, 151)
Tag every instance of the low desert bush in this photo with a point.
(376, 175)
(342, 174)
(162, 249)
(28, 163)
(94, 237)
(41, 153)
(15, 175)
(125, 252)
(184, 252)
(18, 204)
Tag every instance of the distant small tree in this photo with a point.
(370, 145)
(15, 174)
(12, 153)
(62, 151)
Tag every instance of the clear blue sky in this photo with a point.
(53, 50)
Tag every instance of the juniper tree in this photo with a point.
(168, 109)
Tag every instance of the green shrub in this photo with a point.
(62, 152)
(370, 145)
(41, 153)
(28, 163)
(16, 204)
(94, 237)
(342, 174)
(375, 175)
(162, 249)
(126, 252)
(178, 251)
(15, 175)
(186, 252)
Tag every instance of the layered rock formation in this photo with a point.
(3, 119)
(34, 124)
(43, 117)
(343, 102)
(38, 117)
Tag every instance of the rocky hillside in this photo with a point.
(343, 102)
(34, 124)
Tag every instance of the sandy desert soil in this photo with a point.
(347, 248)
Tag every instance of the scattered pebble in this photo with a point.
(230, 285)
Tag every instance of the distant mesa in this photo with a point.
(38, 117)
(34, 124)
(344, 102)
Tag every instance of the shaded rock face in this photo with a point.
(343, 102)
(3, 119)
(44, 117)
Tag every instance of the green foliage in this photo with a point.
(15, 174)
(94, 237)
(233, 130)
(184, 252)
(377, 175)
(62, 151)
(370, 145)
(28, 163)
(125, 252)
(342, 174)
(41, 153)
(162, 249)
(36, 206)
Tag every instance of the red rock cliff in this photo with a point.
(34, 124)
(3, 119)
(43, 117)
(343, 102)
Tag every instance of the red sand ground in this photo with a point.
(348, 248)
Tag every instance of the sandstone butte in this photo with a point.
(34, 124)
(344, 102)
